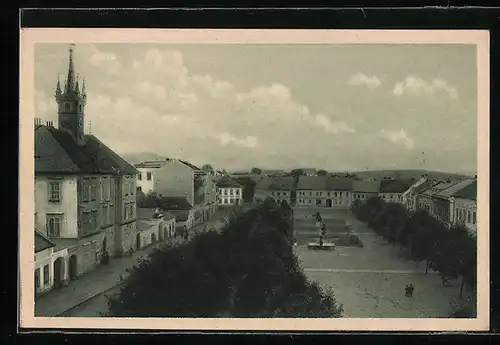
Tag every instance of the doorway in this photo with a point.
(105, 246)
(58, 272)
(138, 242)
(73, 267)
(328, 202)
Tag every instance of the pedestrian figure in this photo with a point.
(411, 288)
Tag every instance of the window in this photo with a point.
(37, 279)
(474, 218)
(310, 201)
(456, 213)
(104, 216)
(46, 274)
(85, 224)
(328, 193)
(237, 192)
(93, 191)
(469, 220)
(111, 213)
(112, 188)
(148, 175)
(54, 191)
(85, 190)
(93, 219)
(310, 193)
(139, 176)
(67, 107)
(80, 107)
(54, 225)
(335, 193)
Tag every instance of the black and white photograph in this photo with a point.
(327, 176)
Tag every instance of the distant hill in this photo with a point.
(408, 174)
(136, 158)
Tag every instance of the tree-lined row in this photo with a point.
(248, 269)
(450, 251)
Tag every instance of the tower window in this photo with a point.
(80, 107)
(67, 107)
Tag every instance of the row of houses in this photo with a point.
(86, 195)
(451, 202)
(176, 178)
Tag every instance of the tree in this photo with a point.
(321, 172)
(248, 269)
(457, 256)
(256, 171)
(207, 168)
(297, 173)
(248, 187)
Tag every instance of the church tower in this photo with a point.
(71, 103)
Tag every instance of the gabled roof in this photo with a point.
(151, 164)
(339, 183)
(282, 183)
(437, 187)
(312, 183)
(456, 187)
(192, 166)
(57, 152)
(362, 186)
(395, 186)
(228, 182)
(468, 192)
(42, 242)
(264, 183)
(421, 187)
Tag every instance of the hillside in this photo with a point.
(408, 174)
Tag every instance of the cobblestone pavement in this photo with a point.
(85, 296)
(370, 281)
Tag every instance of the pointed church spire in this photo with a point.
(83, 89)
(58, 87)
(77, 87)
(65, 85)
(71, 71)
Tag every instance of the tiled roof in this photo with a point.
(192, 166)
(151, 164)
(312, 183)
(282, 183)
(395, 186)
(264, 183)
(456, 187)
(172, 203)
(468, 192)
(362, 186)
(228, 182)
(437, 187)
(58, 152)
(421, 187)
(42, 242)
(340, 183)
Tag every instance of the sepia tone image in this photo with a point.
(255, 180)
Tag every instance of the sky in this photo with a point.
(335, 107)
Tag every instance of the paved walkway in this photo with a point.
(103, 278)
(370, 281)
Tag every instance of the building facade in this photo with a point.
(230, 192)
(324, 191)
(392, 190)
(80, 187)
(364, 190)
(49, 265)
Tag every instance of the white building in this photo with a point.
(50, 265)
(229, 192)
(464, 203)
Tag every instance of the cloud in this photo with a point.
(398, 136)
(156, 104)
(249, 141)
(332, 127)
(361, 79)
(417, 86)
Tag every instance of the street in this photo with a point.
(370, 281)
